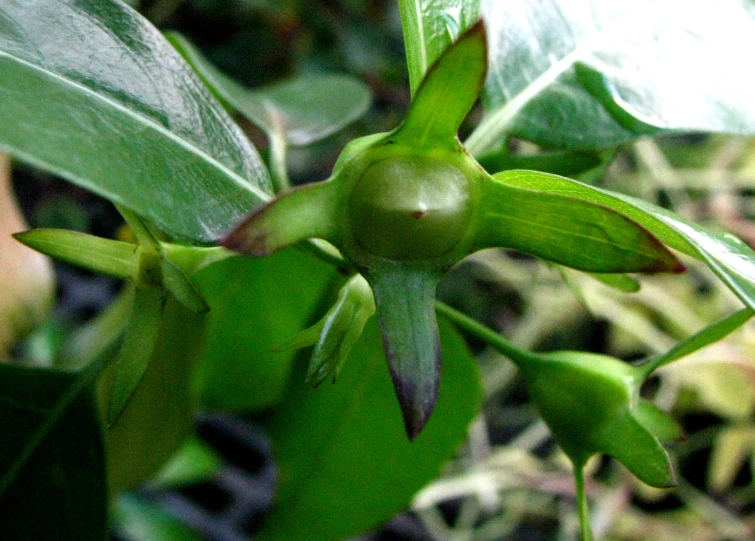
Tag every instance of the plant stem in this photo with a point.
(492, 338)
(584, 511)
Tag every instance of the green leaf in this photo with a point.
(52, 484)
(657, 421)
(405, 300)
(710, 334)
(567, 230)
(429, 27)
(671, 66)
(348, 465)
(157, 419)
(730, 258)
(139, 342)
(194, 462)
(307, 109)
(461, 67)
(622, 282)
(103, 256)
(105, 102)
(256, 304)
(564, 163)
(144, 521)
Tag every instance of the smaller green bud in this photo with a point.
(410, 208)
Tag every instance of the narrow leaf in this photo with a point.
(307, 109)
(622, 282)
(138, 344)
(657, 421)
(322, 464)
(429, 27)
(709, 335)
(181, 287)
(105, 102)
(727, 256)
(435, 114)
(569, 231)
(405, 300)
(103, 256)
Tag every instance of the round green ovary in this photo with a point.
(410, 208)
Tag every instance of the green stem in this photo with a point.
(278, 169)
(584, 510)
(519, 356)
(705, 337)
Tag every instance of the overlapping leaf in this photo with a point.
(345, 463)
(671, 66)
(104, 101)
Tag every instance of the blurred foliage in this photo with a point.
(510, 481)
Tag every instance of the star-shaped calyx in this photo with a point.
(405, 206)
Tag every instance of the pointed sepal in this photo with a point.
(109, 257)
(566, 230)
(306, 212)
(640, 451)
(436, 113)
(405, 304)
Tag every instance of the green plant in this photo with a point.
(108, 103)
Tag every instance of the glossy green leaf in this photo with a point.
(429, 27)
(405, 300)
(462, 68)
(567, 230)
(144, 521)
(730, 258)
(52, 459)
(674, 66)
(348, 466)
(103, 256)
(307, 109)
(256, 305)
(107, 103)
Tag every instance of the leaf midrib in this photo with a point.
(150, 123)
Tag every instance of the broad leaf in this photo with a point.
(256, 306)
(52, 459)
(347, 465)
(429, 27)
(672, 65)
(730, 258)
(306, 109)
(104, 101)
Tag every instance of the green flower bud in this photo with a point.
(410, 208)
